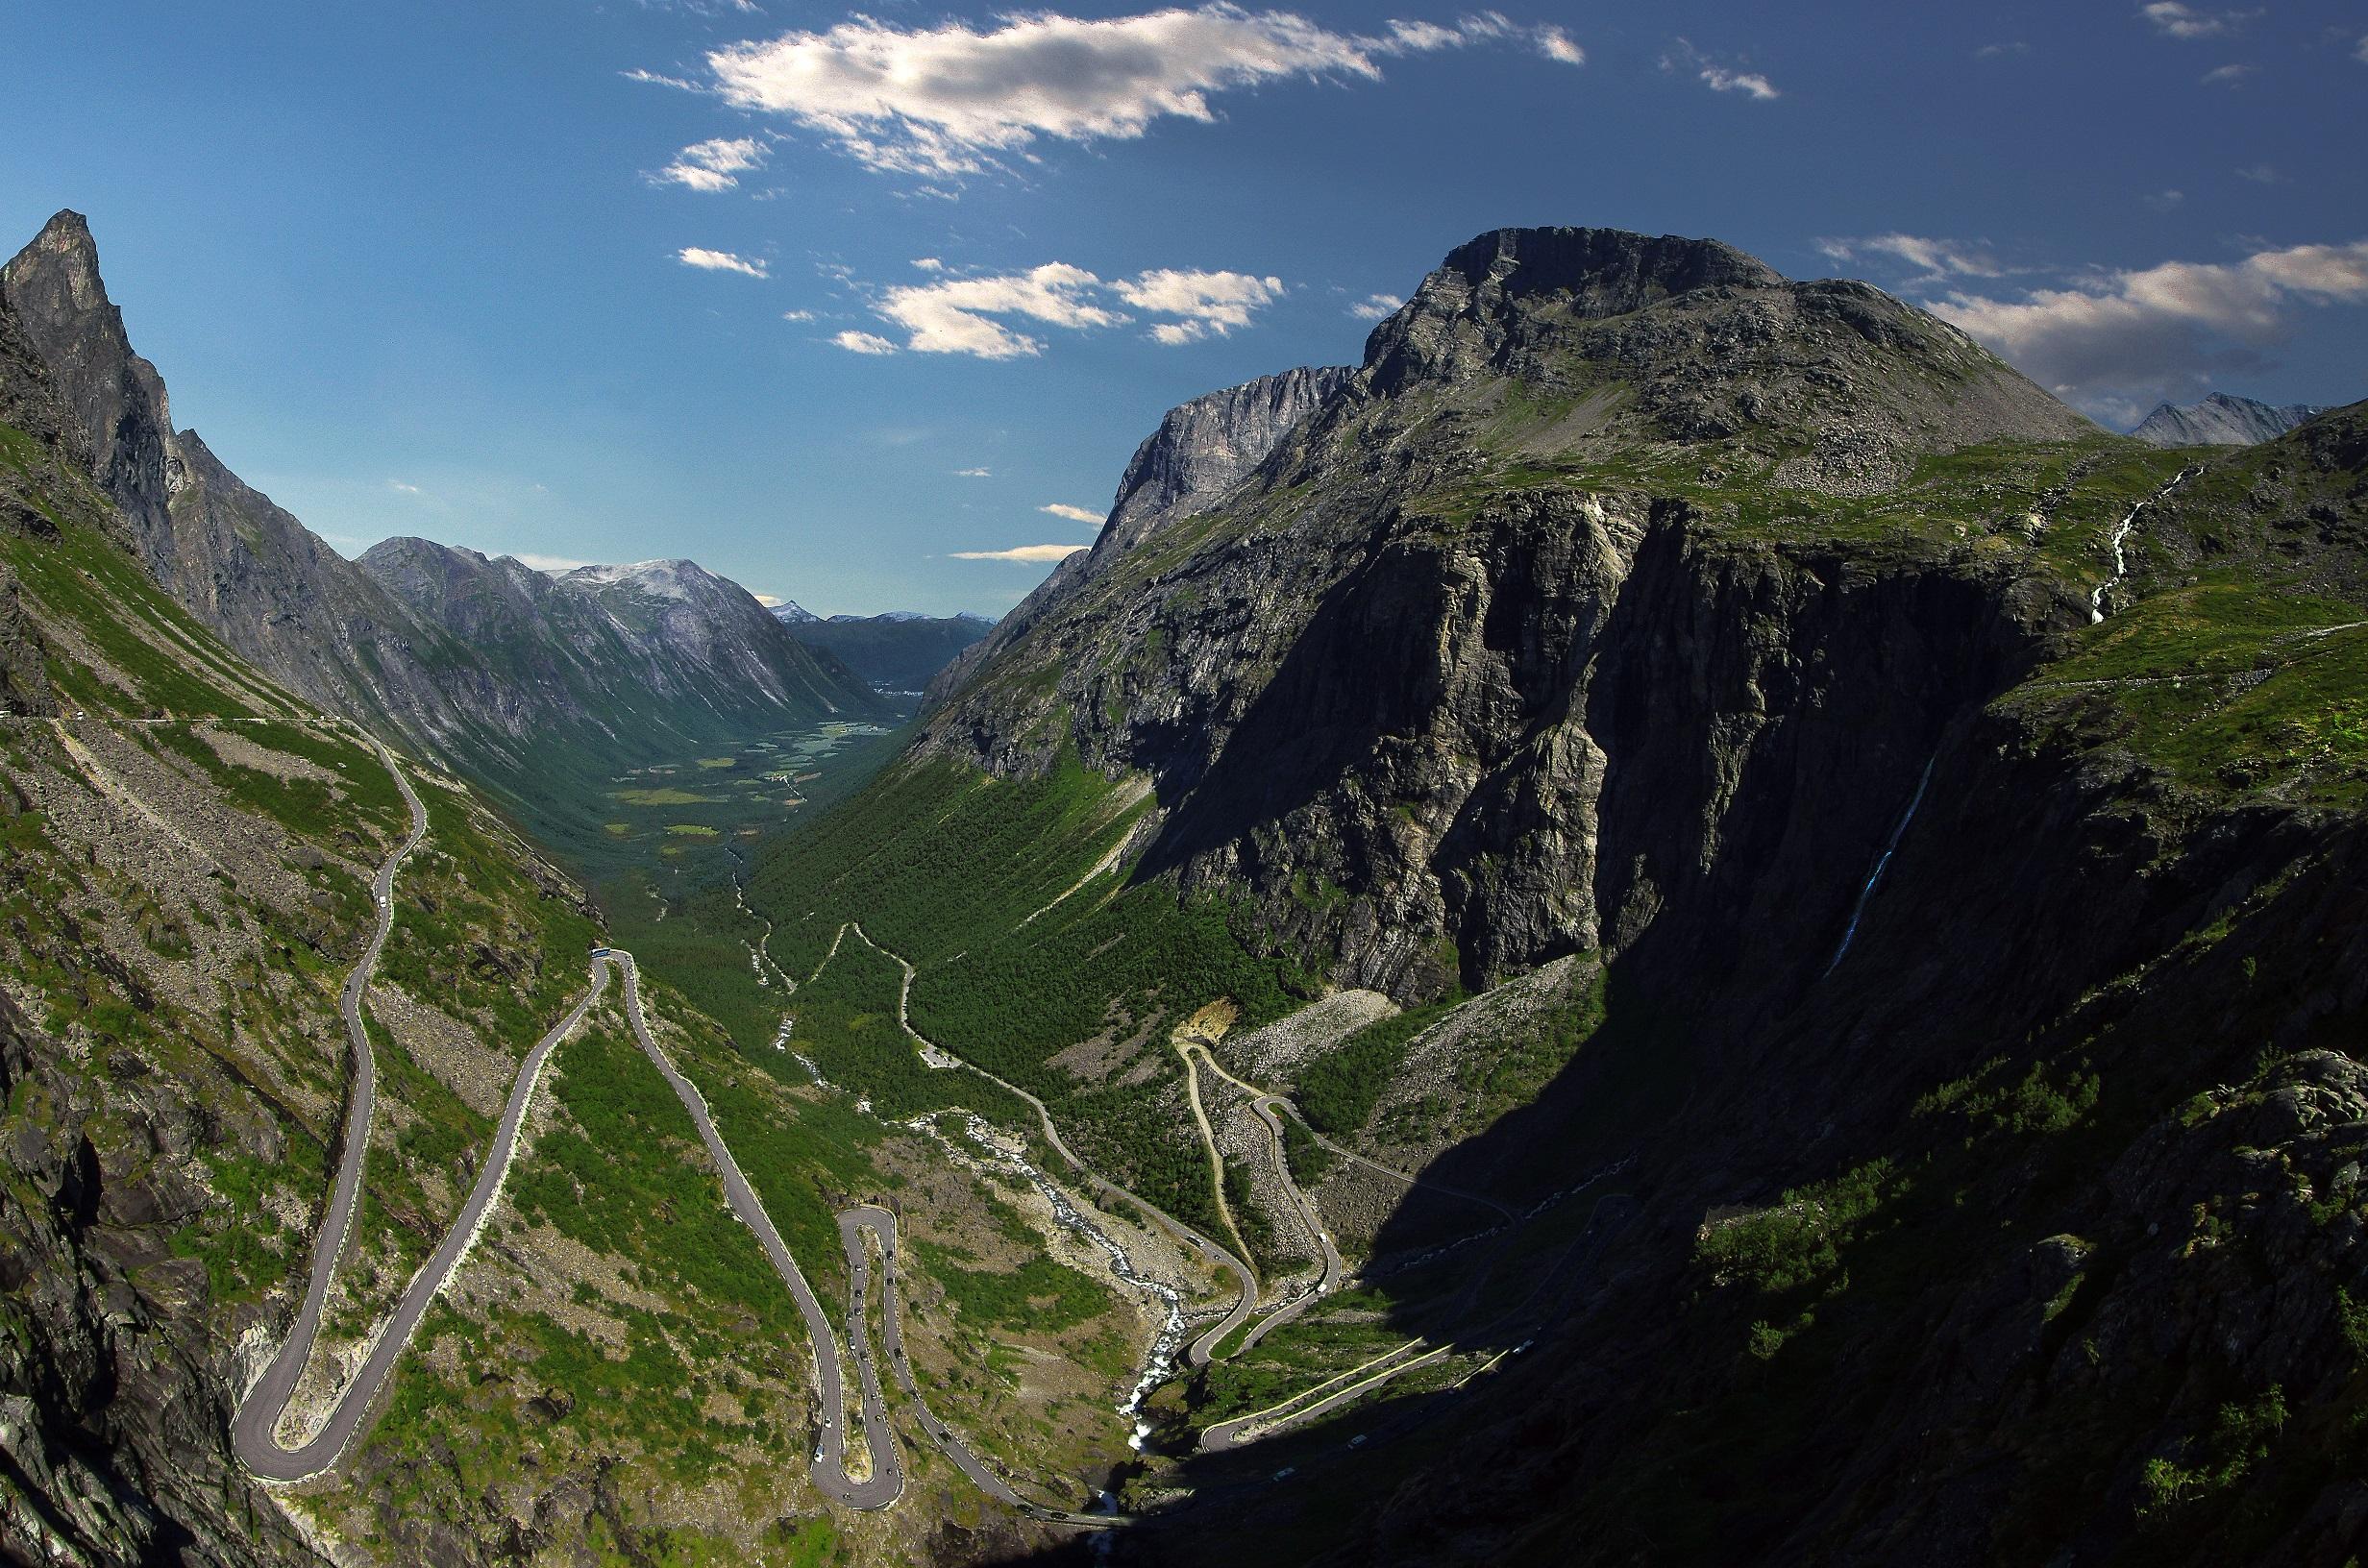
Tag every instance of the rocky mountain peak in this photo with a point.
(2220, 420)
(1603, 272)
(1666, 338)
(1206, 447)
(116, 397)
(65, 253)
(675, 578)
(1490, 291)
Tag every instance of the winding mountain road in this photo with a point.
(886, 1483)
(260, 1413)
(254, 1429)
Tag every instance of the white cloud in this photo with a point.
(2260, 174)
(2163, 329)
(711, 165)
(2164, 201)
(1722, 79)
(1208, 301)
(1932, 259)
(548, 563)
(855, 342)
(406, 489)
(930, 264)
(2174, 20)
(767, 600)
(1556, 44)
(1021, 552)
(974, 474)
(694, 256)
(950, 100)
(796, 315)
(966, 315)
(2361, 53)
(957, 316)
(1682, 55)
(1375, 306)
(1993, 51)
(2226, 76)
(1075, 514)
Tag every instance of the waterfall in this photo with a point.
(1881, 861)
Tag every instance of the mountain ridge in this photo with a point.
(2221, 420)
(896, 651)
(332, 630)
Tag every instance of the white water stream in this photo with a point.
(1159, 1361)
(1881, 862)
(2121, 558)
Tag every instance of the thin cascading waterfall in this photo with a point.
(1883, 862)
(2120, 539)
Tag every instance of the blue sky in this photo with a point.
(422, 269)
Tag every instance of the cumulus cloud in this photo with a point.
(1683, 56)
(707, 261)
(2176, 20)
(714, 164)
(1075, 514)
(854, 342)
(1021, 552)
(1932, 258)
(974, 316)
(1375, 306)
(951, 100)
(2165, 329)
(958, 316)
(1206, 302)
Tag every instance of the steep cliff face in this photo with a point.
(112, 1394)
(1205, 448)
(1201, 451)
(1530, 554)
(252, 571)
